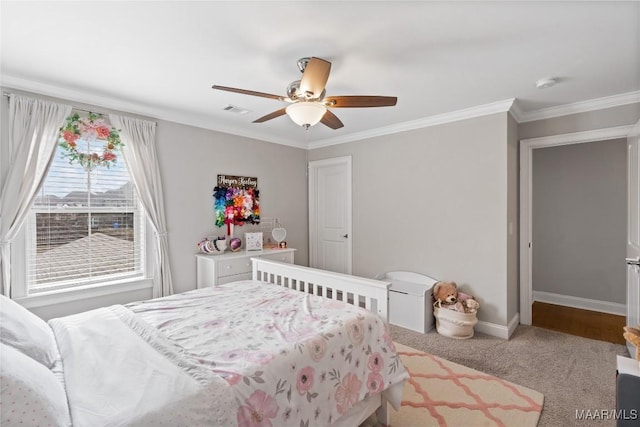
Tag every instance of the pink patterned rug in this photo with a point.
(443, 393)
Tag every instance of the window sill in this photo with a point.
(85, 292)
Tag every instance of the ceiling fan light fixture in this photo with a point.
(308, 104)
(306, 114)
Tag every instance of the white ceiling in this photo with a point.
(160, 58)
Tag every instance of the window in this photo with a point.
(86, 226)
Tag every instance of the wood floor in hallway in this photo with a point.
(575, 321)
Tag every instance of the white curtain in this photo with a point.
(33, 133)
(138, 137)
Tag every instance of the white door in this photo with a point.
(330, 214)
(633, 232)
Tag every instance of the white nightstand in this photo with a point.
(213, 270)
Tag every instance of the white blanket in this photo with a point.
(119, 371)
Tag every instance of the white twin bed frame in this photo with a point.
(368, 293)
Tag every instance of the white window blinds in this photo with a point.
(86, 226)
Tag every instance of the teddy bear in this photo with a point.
(633, 336)
(446, 294)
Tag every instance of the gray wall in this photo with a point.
(590, 120)
(579, 220)
(513, 224)
(435, 201)
(190, 159)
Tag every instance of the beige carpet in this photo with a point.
(443, 393)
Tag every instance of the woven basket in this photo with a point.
(454, 324)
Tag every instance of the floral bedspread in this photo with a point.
(290, 358)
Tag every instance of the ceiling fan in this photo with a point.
(308, 103)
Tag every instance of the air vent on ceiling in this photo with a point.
(235, 109)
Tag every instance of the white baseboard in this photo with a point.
(496, 330)
(513, 324)
(583, 303)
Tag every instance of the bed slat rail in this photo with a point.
(367, 293)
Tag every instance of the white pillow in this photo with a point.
(30, 394)
(26, 332)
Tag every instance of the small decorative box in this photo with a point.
(253, 241)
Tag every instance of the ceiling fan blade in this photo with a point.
(315, 76)
(270, 116)
(331, 120)
(247, 92)
(360, 101)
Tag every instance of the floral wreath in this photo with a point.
(237, 206)
(90, 128)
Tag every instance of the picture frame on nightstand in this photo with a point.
(253, 241)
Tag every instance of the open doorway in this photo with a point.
(579, 212)
(569, 292)
(579, 225)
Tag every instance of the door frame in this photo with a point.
(314, 166)
(633, 230)
(526, 204)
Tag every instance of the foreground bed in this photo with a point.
(241, 354)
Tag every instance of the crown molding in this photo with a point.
(204, 122)
(581, 107)
(107, 103)
(516, 111)
(509, 105)
(603, 134)
(454, 116)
